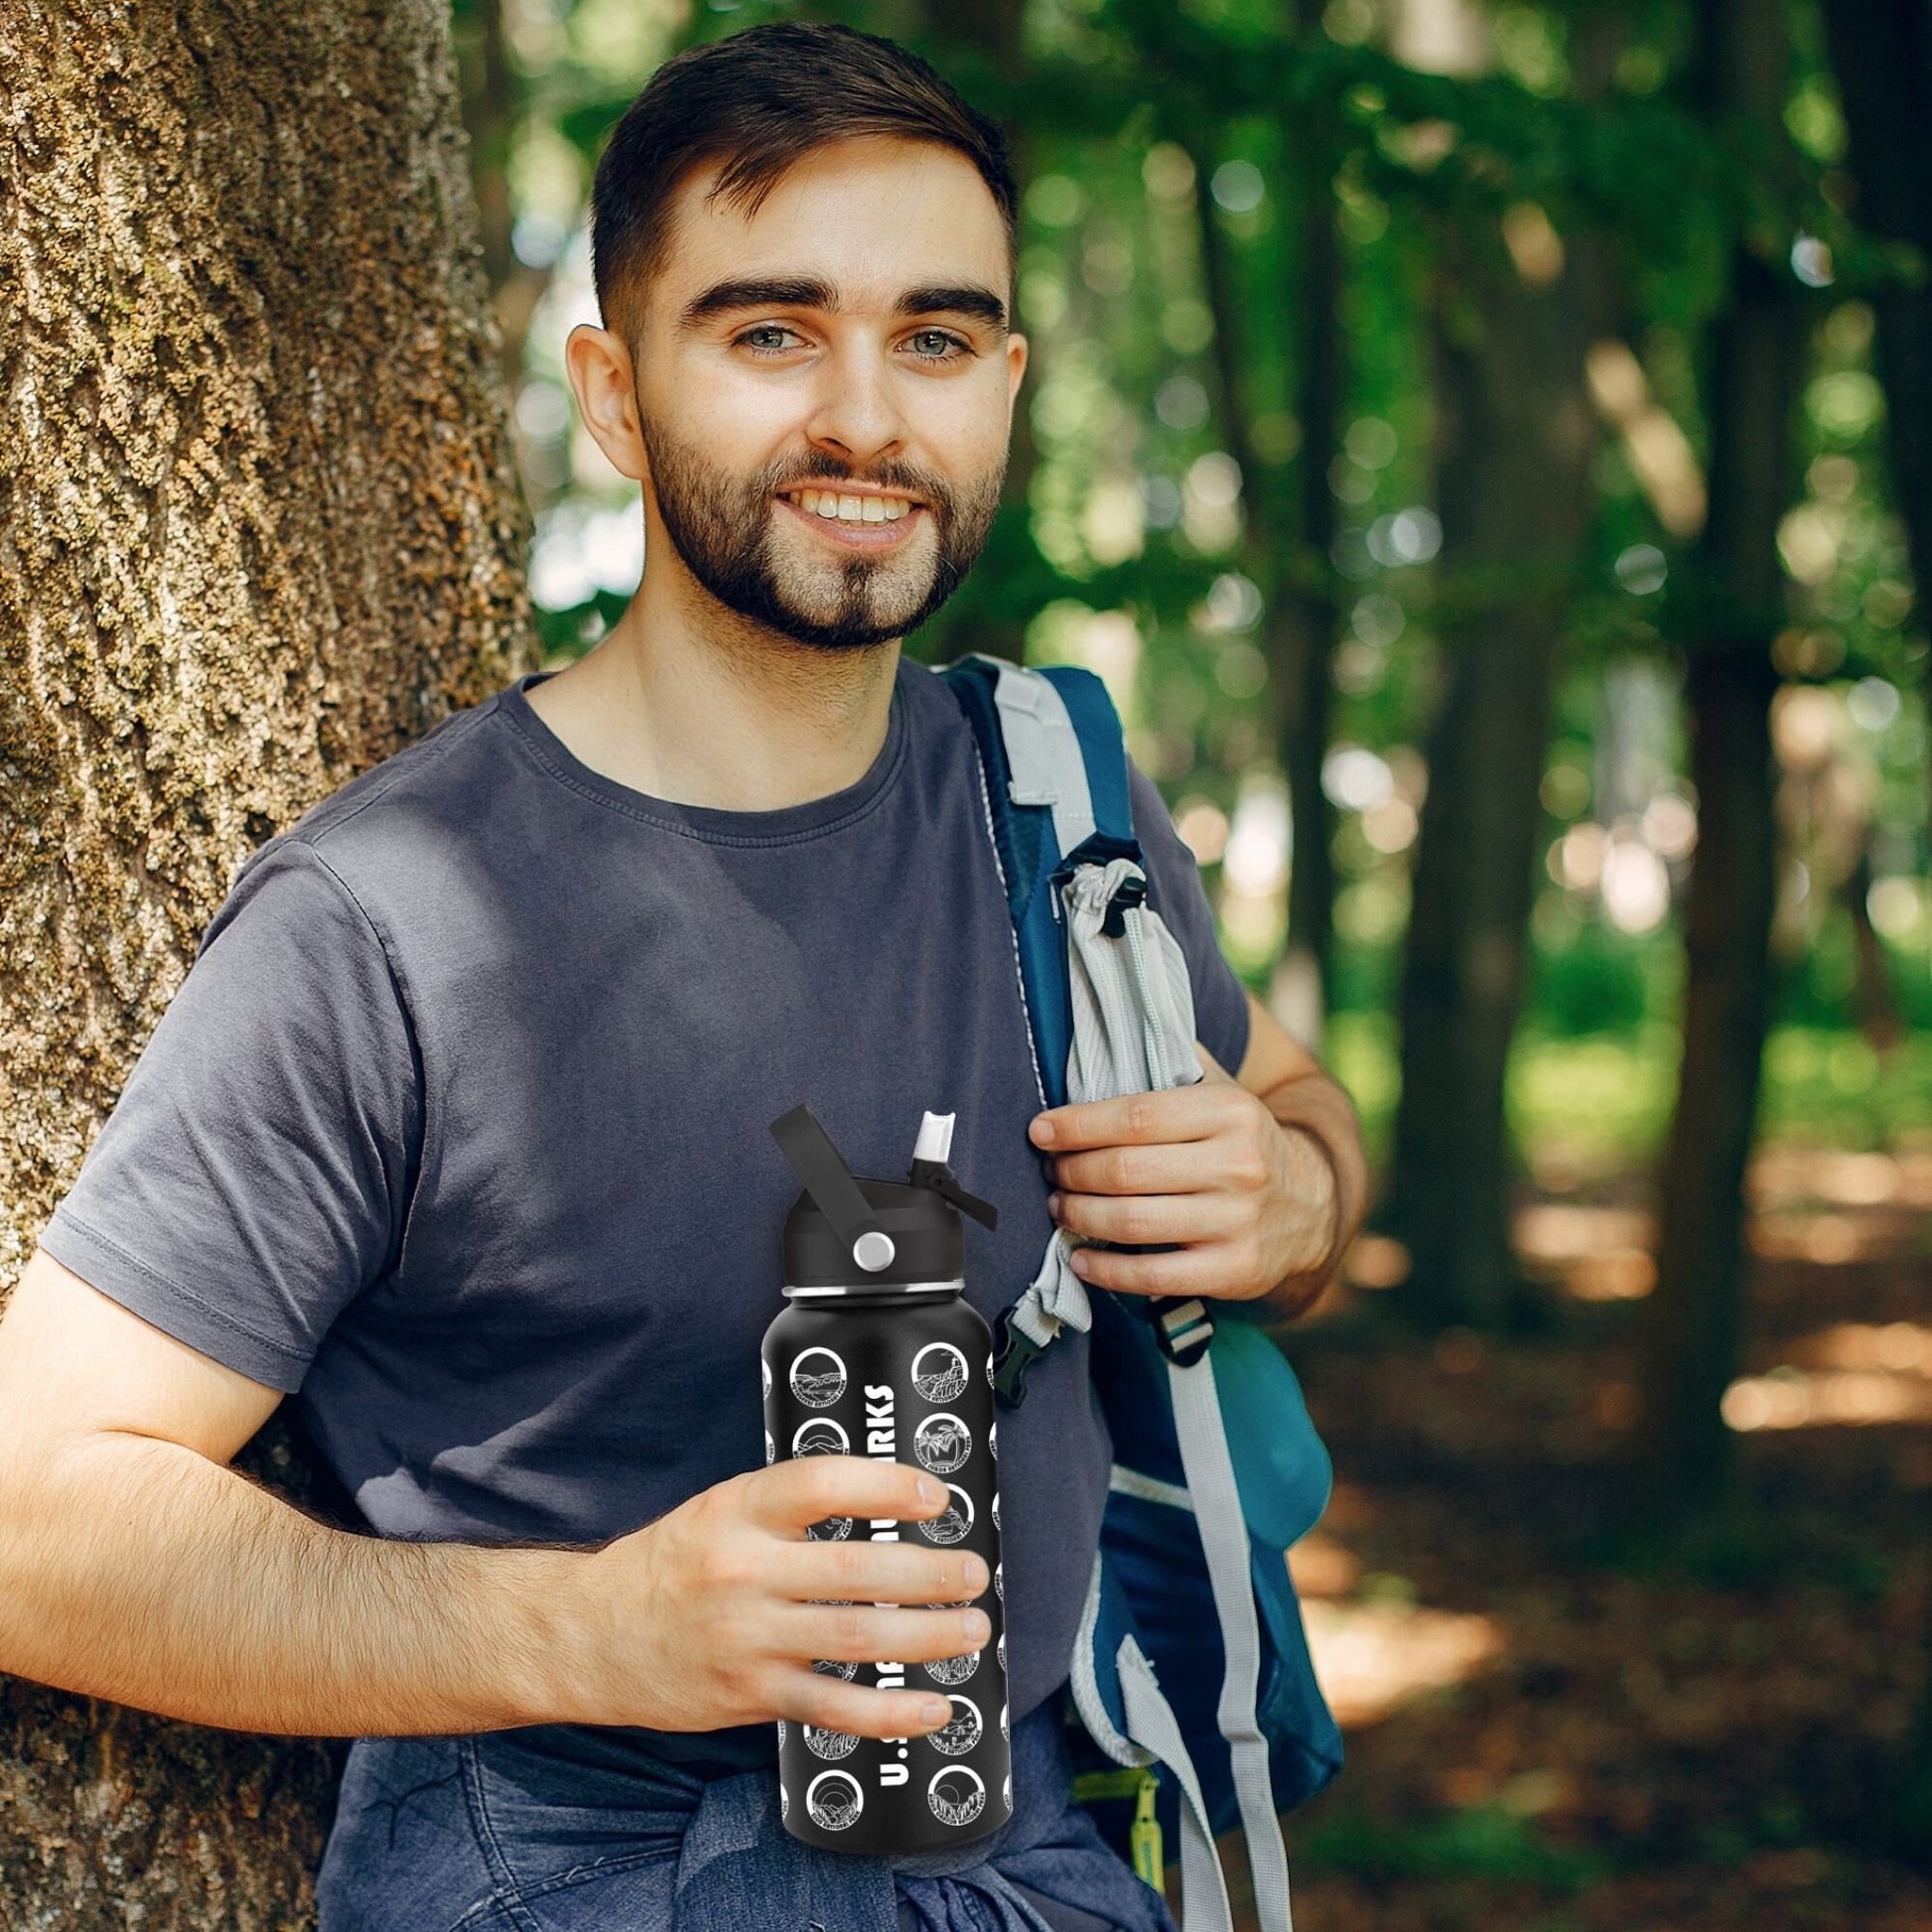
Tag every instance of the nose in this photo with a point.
(856, 414)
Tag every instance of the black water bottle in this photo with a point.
(877, 1353)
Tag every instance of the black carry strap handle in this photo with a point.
(937, 1176)
(823, 1174)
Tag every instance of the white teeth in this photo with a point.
(851, 510)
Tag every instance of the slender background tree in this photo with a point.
(1693, 1321)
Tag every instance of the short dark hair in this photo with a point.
(761, 100)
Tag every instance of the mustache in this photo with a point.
(820, 466)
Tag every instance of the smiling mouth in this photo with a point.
(834, 507)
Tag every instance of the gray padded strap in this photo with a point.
(1152, 1723)
(1044, 752)
(1224, 1540)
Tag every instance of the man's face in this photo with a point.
(825, 389)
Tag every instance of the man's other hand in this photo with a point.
(1250, 1201)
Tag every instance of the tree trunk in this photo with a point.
(1514, 455)
(1693, 1319)
(981, 48)
(258, 528)
(1881, 50)
(1301, 634)
(1290, 519)
(488, 102)
(1882, 53)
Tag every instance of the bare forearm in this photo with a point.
(136, 1570)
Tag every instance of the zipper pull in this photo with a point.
(1143, 1836)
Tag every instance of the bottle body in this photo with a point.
(902, 1375)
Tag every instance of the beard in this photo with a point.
(725, 529)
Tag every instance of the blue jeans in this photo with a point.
(483, 1835)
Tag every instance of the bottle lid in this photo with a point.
(856, 1234)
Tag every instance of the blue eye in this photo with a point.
(936, 342)
(766, 329)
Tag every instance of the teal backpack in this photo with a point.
(1190, 1671)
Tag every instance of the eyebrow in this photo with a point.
(807, 292)
(964, 299)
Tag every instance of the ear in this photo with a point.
(599, 366)
(1016, 369)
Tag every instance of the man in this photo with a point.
(458, 1127)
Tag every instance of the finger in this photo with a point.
(829, 1703)
(1201, 1270)
(807, 1489)
(1170, 1114)
(879, 1572)
(1139, 1218)
(1169, 1167)
(862, 1633)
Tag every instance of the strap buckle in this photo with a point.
(1183, 1327)
(1016, 1353)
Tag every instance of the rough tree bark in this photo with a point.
(258, 528)
(1692, 1322)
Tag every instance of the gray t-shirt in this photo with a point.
(458, 1126)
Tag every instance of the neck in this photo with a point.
(693, 703)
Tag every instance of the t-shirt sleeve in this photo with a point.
(1176, 892)
(253, 1177)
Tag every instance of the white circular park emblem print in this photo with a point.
(820, 1436)
(817, 1378)
(834, 1800)
(828, 1743)
(960, 1732)
(996, 1509)
(956, 1794)
(767, 1368)
(770, 1449)
(939, 1372)
(953, 1521)
(834, 1529)
(1007, 1791)
(838, 1667)
(953, 1670)
(942, 1443)
(993, 1440)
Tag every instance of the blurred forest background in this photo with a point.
(1487, 452)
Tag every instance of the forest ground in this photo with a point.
(1552, 1731)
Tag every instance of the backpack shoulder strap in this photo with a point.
(1060, 809)
(1055, 767)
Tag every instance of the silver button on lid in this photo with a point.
(872, 1251)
